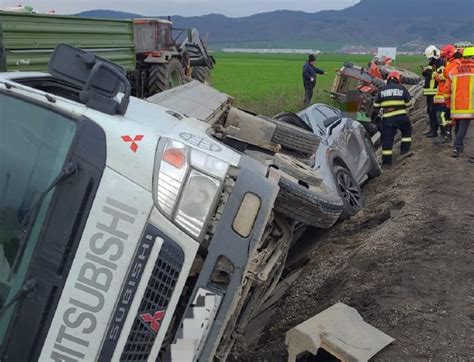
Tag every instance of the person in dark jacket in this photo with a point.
(430, 87)
(309, 78)
(394, 100)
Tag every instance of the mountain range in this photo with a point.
(368, 23)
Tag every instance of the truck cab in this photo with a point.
(126, 231)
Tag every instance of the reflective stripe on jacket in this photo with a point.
(462, 90)
(447, 85)
(394, 99)
(431, 86)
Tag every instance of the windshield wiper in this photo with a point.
(26, 289)
(30, 217)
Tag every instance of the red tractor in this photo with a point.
(355, 87)
(165, 58)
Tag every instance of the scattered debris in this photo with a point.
(339, 330)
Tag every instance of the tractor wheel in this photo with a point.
(202, 74)
(407, 76)
(377, 82)
(165, 76)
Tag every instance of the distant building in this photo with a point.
(271, 51)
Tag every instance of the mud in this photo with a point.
(406, 262)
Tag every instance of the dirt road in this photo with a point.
(406, 262)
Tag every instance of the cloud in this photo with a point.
(182, 7)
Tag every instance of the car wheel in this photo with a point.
(349, 191)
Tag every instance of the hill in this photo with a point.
(370, 23)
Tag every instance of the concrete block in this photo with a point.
(341, 331)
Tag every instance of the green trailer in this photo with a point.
(145, 48)
(27, 40)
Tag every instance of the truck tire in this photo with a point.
(349, 190)
(165, 76)
(293, 137)
(307, 204)
(407, 76)
(293, 119)
(302, 197)
(202, 74)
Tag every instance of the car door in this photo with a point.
(345, 140)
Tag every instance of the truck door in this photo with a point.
(39, 229)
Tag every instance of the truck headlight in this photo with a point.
(186, 185)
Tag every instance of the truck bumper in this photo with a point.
(231, 251)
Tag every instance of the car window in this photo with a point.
(317, 120)
(329, 112)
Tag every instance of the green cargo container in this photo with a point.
(27, 40)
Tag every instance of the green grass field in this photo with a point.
(271, 83)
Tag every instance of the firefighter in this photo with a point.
(393, 100)
(445, 115)
(447, 55)
(309, 78)
(430, 87)
(461, 82)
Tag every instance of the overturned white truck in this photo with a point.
(128, 231)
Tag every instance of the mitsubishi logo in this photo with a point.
(134, 140)
(153, 320)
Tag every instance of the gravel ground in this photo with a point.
(405, 262)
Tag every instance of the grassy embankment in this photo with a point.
(271, 83)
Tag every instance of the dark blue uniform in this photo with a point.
(394, 100)
(309, 72)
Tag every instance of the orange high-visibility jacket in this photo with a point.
(441, 76)
(462, 90)
(446, 88)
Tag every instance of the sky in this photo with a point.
(233, 8)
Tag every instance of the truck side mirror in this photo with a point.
(99, 80)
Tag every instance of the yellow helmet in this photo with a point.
(468, 52)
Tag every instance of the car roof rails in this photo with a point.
(99, 80)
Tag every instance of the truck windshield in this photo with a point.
(34, 145)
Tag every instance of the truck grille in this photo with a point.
(154, 303)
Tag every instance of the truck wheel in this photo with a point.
(302, 197)
(407, 76)
(308, 204)
(349, 190)
(293, 119)
(296, 168)
(293, 137)
(165, 76)
(202, 74)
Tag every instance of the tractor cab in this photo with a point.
(152, 37)
(354, 88)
